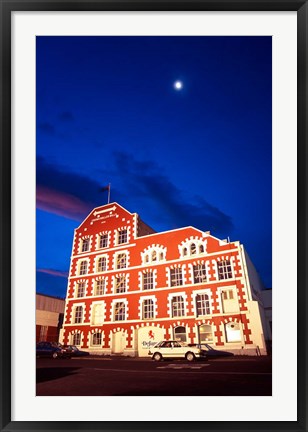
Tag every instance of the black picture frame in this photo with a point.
(7, 7)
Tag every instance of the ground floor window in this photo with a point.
(180, 334)
(233, 332)
(97, 339)
(76, 339)
(205, 333)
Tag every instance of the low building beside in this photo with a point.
(49, 317)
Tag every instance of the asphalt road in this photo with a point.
(114, 376)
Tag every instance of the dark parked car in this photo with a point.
(211, 352)
(50, 349)
(74, 351)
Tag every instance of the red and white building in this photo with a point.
(130, 287)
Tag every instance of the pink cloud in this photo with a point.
(54, 272)
(60, 203)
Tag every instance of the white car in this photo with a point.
(173, 349)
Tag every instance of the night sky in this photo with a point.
(200, 155)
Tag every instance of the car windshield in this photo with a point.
(208, 347)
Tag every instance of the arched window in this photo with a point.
(153, 254)
(193, 246)
(193, 249)
(205, 333)
(180, 334)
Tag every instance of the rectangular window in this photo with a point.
(76, 339)
(81, 289)
(78, 315)
(202, 304)
(102, 264)
(83, 267)
(100, 287)
(120, 284)
(148, 282)
(178, 307)
(148, 309)
(224, 270)
(85, 245)
(119, 311)
(228, 295)
(103, 241)
(121, 261)
(97, 339)
(176, 277)
(122, 236)
(199, 273)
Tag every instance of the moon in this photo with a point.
(178, 85)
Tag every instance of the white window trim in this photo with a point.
(140, 307)
(149, 251)
(187, 244)
(177, 294)
(112, 310)
(208, 292)
(226, 288)
(81, 240)
(92, 308)
(75, 305)
(76, 283)
(98, 278)
(98, 236)
(115, 259)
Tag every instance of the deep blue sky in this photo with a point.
(107, 112)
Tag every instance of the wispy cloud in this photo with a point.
(155, 197)
(53, 272)
(65, 193)
(165, 199)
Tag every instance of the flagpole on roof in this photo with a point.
(109, 192)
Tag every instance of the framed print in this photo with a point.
(193, 116)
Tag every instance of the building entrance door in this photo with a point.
(118, 342)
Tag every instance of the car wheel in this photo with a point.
(157, 357)
(190, 356)
(54, 355)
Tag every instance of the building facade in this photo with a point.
(130, 287)
(49, 317)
